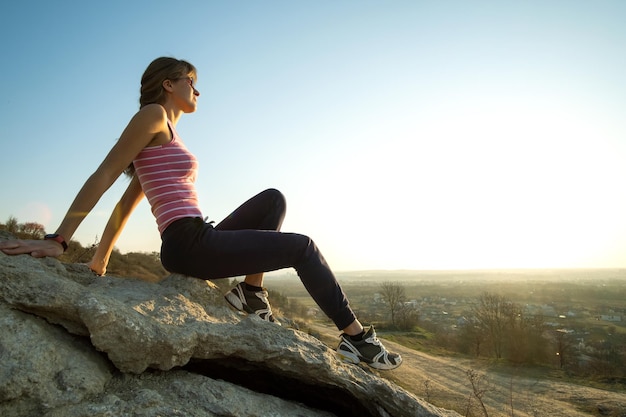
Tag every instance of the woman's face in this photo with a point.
(185, 93)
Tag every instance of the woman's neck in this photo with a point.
(173, 114)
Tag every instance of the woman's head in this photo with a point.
(158, 71)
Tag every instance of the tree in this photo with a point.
(11, 225)
(525, 335)
(564, 345)
(28, 230)
(407, 317)
(471, 337)
(32, 230)
(494, 314)
(394, 296)
(480, 386)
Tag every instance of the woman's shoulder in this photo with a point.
(151, 117)
(153, 111)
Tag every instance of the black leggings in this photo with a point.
(247, 242)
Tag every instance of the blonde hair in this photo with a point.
(159, 70)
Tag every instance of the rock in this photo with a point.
(74, 344)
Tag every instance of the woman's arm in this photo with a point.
(121, 213)
(150, 121)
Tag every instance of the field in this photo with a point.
(582, 300)
(443, 381)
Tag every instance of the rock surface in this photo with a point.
(73, 344)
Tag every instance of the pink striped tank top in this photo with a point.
(167, 174)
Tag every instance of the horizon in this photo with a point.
(520, 271)
(406, 135)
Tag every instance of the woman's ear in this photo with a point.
(167, 85)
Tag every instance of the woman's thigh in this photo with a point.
(264, 211)
(229, 253)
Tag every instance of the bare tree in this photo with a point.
(511, 397)
(563, 346)
(471, 337)
(494, 313)
(479, 388)
(394, 296)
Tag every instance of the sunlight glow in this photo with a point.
(408, 135)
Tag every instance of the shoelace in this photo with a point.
(263, 296)
(373, 340)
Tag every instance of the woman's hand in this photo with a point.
(35, 248)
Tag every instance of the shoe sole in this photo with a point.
(349, 357)
(353, 360)
(384, 366)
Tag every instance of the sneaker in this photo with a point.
(368, 350)
(250, 301)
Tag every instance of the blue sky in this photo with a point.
(404, 134)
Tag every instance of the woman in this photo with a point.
(248, 242)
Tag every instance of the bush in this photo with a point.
(407, 318)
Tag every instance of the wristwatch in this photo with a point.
(57, 238)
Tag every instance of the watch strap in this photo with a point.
(57, 238)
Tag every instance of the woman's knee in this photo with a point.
(277, 206)
(276, 197)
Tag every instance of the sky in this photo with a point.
(404, 134)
